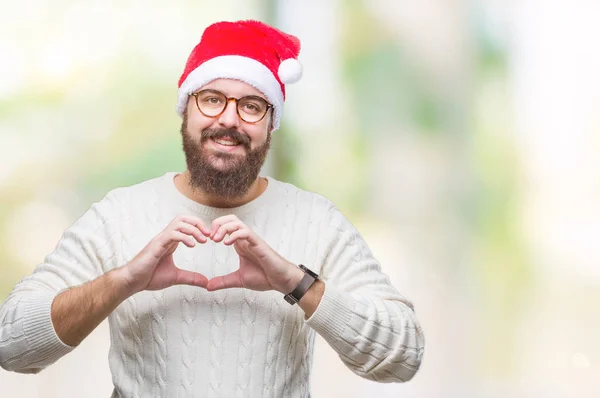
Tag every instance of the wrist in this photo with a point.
(122, 282)
(294, 278)
(309, 278)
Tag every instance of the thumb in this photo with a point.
(225, 282)
(185, 277)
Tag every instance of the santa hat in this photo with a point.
(249, 51)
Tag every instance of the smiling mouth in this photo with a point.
(226, 142)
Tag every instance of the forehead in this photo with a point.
(233, 88)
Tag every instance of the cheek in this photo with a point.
(197, 123)
(258, 139)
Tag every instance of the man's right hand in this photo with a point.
(77, 311)
(153, 267)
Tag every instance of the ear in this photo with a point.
(270, 123)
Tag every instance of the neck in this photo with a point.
(182, 182)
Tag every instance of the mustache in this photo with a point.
(220, 133)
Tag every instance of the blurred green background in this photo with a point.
(460, 137)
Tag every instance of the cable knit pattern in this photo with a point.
(185, 341)
(188, 337)
(218, 327)
(247, 331)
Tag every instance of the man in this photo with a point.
(263, 266)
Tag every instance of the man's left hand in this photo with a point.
(261, 267)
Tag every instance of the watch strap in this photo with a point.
(307, 281)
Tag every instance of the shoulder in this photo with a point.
(122, 200)
(317, 208)
(317, 204)
(145, 190)
(302, 199)
(110, 209)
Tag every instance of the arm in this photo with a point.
(359, 313)
(312, 298)
(53, 310)
(28, 340)
(76, 312)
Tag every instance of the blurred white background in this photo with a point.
(460, 137)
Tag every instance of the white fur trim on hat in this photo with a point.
(235, 67)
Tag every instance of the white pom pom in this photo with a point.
(290, 71)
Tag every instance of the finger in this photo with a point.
(166, 241)
(195, 221)
(192, 230)
(228, 228)
(217, 223)
(224, 282)
(239, 234)
(198, 223)
(245, 233)
(185, 277)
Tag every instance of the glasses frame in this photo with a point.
(236, 100)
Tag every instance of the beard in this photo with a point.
(222, 174)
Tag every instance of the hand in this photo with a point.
(153, 267)
(261, 267)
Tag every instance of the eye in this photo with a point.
(212, 100)
(252, 106)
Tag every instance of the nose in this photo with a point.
(229, 118)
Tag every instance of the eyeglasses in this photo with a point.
(251, 108)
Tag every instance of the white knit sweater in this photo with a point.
(185, 341)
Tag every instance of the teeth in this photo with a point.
(227, 143)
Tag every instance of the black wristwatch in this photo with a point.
(305, 284)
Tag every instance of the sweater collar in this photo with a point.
(214, 212)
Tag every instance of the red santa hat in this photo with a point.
(249, 51)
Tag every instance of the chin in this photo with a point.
(225, 163)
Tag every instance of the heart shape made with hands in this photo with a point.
(261, 267)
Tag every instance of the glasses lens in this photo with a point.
(211, 103)
(252, 109)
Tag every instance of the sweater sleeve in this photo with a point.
(361, 315)
(28, 341)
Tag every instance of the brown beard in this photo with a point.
(235, 176)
